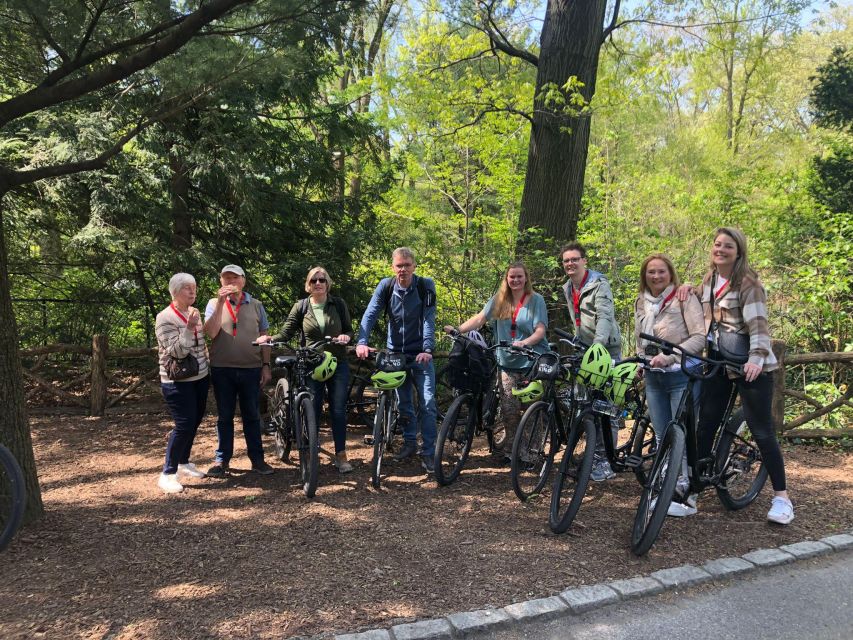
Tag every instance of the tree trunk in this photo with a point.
(14, 425)
(98, 395)
(556, 159)
(179, 189)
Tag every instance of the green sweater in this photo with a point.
(335, 326)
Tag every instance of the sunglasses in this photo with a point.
(320, 280)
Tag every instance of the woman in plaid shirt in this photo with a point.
(734, 300)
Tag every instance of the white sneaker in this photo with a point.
(168, 482)
(189, 469)
(781, 511)
(679, 510)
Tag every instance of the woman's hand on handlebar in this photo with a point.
(341, 339)
(751, 371)
(450, 330)
(658, 362)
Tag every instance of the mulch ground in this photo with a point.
(251, 557)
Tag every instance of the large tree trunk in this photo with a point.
(14, 425)
(556, 158)
(179, 188)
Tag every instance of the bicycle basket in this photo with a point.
(595, 366)
(530, 393)
(546, 367)
(470, 366)
(622, 376)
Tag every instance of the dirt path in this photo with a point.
(250, 557)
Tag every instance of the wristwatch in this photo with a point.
(265, 364)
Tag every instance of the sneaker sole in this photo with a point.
(781, 520)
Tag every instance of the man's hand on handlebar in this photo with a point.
(362, 351)
(423, 358)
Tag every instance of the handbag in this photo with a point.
(731, 345)
(181, 368)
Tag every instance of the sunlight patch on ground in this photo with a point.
(187, 591)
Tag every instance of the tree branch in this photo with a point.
(90, 29)
(612, 26)
(47, 36)
(499, 40)
(47, 96)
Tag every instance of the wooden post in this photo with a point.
(777, 410)
(98, 397)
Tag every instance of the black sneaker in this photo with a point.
(219, 470)
(263, 468)
(268, 429)
(409, 449)
(428, 464)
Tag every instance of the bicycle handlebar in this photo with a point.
(669, 348)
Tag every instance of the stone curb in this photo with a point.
(589, 597)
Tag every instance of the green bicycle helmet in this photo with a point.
(621, 378)
(388, 379)
(325, 369)
(530, 393)
(595, 366)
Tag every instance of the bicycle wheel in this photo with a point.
(658, 491)
(454, 439)
(362, 402)
(573, 474)
(643, 449)
(533, 450)
(283, 437)
(491, 415)
(309, 446)
(742, 472)
(13, 496)
(383, 414)
(444, 393)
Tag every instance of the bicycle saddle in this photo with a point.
(285, 361)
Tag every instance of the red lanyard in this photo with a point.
(667, 300)
(514, 326)
(186, 321)
(234, 315)
(720, 290)
(576, 298)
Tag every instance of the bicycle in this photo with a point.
(473, 411)
(13, 496)
(361, 399)
(542, 429)
(734, 468)
(392, 370)
(606, 398)
(292, 415)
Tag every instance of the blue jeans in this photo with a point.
(229, 385)
(187, 402)
(423, 377)
(338, 386)
(663, 395)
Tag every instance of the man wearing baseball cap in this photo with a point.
(233, 321)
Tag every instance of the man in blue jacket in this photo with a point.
(409, 303)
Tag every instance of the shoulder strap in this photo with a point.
(304, 303)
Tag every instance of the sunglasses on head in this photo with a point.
(320, 280)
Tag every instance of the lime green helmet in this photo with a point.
(621, 378)
(530, 393)
(325, 369)
(388, 379)
(595, 366)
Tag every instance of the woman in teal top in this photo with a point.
(520, 317)
(317, 316)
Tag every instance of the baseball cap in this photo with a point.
(233, 268)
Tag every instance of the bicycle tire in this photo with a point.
(491, 415)
(643, 447)
(309, 446)
(454, 439)
(572, 478)
(13, 496)
(382, 414)
(533, 450)
(361, 409)
(283, 436)
(742, 471)
(444, 393)
(658, 491)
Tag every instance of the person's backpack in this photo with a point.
(426, 295)
(304, 305)
(469, 366)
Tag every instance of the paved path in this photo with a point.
(810, 599)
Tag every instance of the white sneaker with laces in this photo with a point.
(679, 510)
(781, 511)
(189, 469)
(168, 482)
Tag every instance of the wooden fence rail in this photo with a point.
(99, 376)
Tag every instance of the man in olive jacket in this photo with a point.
(591, 309)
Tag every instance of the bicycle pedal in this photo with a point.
(368, 440)
(633, 461)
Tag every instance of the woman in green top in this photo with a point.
(318, 316)
(520, 317)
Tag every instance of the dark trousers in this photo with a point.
(756, 398)
(231, 384)
(187, 402)
(337, 386)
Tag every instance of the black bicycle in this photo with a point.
(292, 417)
(473, 411)
(734, 468)
(361, 396)
(13, 496)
